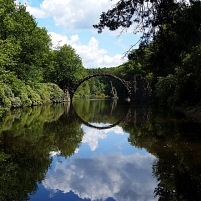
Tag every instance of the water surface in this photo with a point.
(99, 150)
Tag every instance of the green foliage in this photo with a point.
(68, 67)
(148, 18)
(165, 88)
(17, 94)
(28, 44)
(97, 86)
(43, 90)
(4, 100)
(172, 57)
(26, 101)
(16, 102)
(33, 96)
(83, 90)
(171, 61)
(24, 57)
(8, 52)
(185, 85)
(188, 77)
(55, 93)
(129, 69)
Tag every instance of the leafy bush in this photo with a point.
(4, 100)
(43, 90)
(8, 92)
(16, 102)
(28, 96)
(33, 96)
(26, 101)
(56, 94)
(15, 84)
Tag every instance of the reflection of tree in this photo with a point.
(137, 119)
(22, 164)
(66, 132)
(113, 91)
(99, 111)
(113, 105)
(33, 118)
(176, 144)
(177, 181)
(26, 139)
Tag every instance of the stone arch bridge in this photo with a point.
(138, 89)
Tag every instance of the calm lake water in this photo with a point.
(99, 150)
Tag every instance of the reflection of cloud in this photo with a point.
(121, 177)
(92, 136)
(116, 129)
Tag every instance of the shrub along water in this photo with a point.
(13, 95)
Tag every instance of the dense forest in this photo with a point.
(33, 72)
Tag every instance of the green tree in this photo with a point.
(146, 16)
(19, 32)
(83, 90)
(68, 67)
(188, 78)
(173, 40)
(165, 89)
(127, 70)
(8, 52)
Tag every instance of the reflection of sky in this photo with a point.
(105, 167)
(101, 177)
(106, 141)
(92, 135)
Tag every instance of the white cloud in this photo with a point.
(92, 56)
(54, 153)
(59, 39)
(74, 17)
(92, 136)
(121, 177)
(71, 13)
(37, 12)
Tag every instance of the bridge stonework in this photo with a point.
(138, 89)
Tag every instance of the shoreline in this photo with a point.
(192, 112)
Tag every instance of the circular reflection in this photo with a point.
(100, 111)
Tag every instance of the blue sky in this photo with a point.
(70, 22)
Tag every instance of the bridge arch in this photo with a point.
(126, 84)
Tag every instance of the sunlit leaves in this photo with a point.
(67, 66)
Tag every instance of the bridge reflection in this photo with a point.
(102, 127)
(135, 115)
